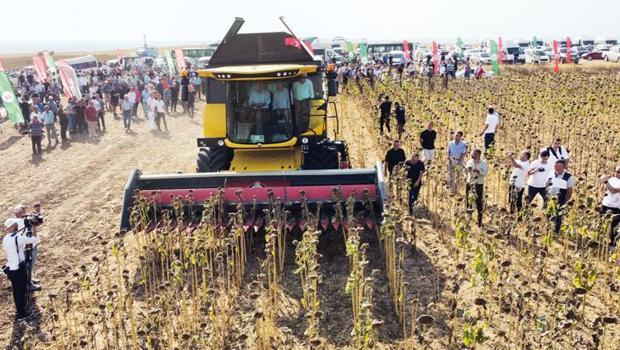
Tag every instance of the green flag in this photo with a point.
(494, 53)
(350, 50)
(169, 62)
(459, 47)
(364, 52)
(534, 42)
(9, 100)
(51, 65)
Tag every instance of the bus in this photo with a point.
(88, 62)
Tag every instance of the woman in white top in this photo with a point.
(538, 177)
(611, 203)
(517, 179)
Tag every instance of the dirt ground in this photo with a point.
(80, 187)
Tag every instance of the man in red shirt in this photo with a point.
(91, 119)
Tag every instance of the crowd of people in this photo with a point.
(117, 92)
(547, 176)
(424, 69)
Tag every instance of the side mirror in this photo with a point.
(332, 87)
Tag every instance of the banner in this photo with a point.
(494, 56)
(500, 45)
(10, 101)
(119, 54)
(1, 68)
(178, 53)
(459, 48)
(556, 66)
(51, 65)
(40, 67)
(70, 83)
(569, 52)
(350, 50)
(364, 52)
(169, 62)
(435, 58)
(406, 50)
(534, 42)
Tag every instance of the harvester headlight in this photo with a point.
(304, 140)
(220, 143)
(279, 74)
(228, 76)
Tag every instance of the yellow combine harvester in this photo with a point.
(266, 135)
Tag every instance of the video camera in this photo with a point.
(32, 220)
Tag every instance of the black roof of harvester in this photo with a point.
(259, 48)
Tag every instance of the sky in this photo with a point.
(111, 22)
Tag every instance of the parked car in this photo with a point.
(480, 57)
(398, 57)
(593, 55)
(514, 55)
(580, 50)
(574, 57)
(613, 54)
(536, 56)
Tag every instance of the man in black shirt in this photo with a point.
(399, 112)
(386, 108)
(394, 156)
(415, 170)
(427, 141)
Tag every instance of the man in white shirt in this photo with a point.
(14, 245)
(491, 125)
(557, 152)
(611, 204)
(160, 111)
(561, 188)
(517, 179)
(303, 93)
(538, 176)
(48, 118)
(477, 170)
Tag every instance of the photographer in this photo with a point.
(27, 226)
(14, 245)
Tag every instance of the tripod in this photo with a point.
(28, 265)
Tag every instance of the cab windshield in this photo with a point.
(271, 111)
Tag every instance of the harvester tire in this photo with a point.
(213, 159)
(321, 158)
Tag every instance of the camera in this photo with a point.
(541, 169)
(33, 220)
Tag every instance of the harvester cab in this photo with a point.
(269, 106)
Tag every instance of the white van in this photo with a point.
(84, 63)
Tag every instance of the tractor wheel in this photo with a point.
(325, 157)
(213, 159)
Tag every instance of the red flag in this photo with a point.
(288, 41)
(500, 48)
(435, 58)
(1, 68)
(406, 50)
(119, 54)
(556, 67)
(308, 45)
(568, 50)
(40, 67)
